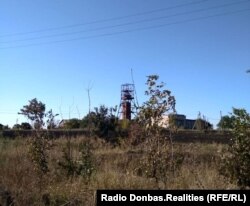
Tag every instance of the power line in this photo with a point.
(127, 31)
(16, 113)
(104, 20)
(125, 24)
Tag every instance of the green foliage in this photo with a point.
(226, 122)
(160, 102)
(73, 123)
(135, 134)
(34, 111)
(75, 166)
(101, 120)
(26, 126)
(16, 126)
(38, 153)
(86, 162)
(236, 165)
(159, 157)
(22, 126)
(158, 163)
(2, 127)
(51, 123)
(68, 164)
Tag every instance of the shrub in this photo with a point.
(236, 164)
(86, 161)
(38, 153)
(78, 166)
(159, 156)
(67, 163)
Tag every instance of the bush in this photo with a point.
(101, 121)
(78, 166)
(159, 148)
(236, 164)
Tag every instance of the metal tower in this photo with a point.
(127, 106)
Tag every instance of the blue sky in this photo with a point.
(55, 49)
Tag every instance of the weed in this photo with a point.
(81, 166)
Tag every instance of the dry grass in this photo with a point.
(116, 168)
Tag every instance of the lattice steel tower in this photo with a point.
(127, 106)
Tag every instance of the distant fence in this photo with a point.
(179, 136)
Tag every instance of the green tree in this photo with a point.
(101, 120)
(34, 111)
(73, 123)
(82, 165)
(51, 123)
(39, 143)
(226, 122)
(236, 162)
(158, 161)
(2, 127)
(16, 126)
(22, 126)
(26, 126)
(6, 127)
(160, 102)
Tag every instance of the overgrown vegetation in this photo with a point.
(81, 165)
(226, 122)
(38, 144)
(159, 160)
(67, 171)
(101, 121)
(236, 162)
(104, 166)
(38, 148)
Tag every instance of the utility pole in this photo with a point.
(89, 127)
(221, 121)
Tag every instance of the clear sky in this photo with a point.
(53, 50)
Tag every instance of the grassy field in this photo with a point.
(112, 167)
